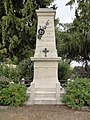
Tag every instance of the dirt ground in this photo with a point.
(42, 112)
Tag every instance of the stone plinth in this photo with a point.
(45, 88)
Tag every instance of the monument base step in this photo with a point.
(44, 96)
(45, 89)
(44, 101)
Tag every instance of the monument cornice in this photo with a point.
(46, 12)
(45, 59)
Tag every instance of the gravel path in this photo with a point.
(42, 112)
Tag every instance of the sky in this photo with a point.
(63, 12)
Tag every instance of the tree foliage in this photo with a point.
(18, 27)
(64, 71)
(75, 39)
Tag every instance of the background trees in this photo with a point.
(75, 38)
(18, 28)
(18, 22)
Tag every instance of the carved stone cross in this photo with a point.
(45, 51)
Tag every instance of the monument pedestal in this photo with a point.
(45, 88)
(45, 81)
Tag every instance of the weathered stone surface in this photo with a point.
(45, 88)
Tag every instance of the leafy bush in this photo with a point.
(4, 81)
(64, 71)
(13, 60)
(15, 73)
(10, 72)
(13, 95)
(26, 70)
(77, 93)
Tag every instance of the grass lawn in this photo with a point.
(42, 112)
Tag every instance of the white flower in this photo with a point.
(11, 82)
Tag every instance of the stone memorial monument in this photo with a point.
(45, 88)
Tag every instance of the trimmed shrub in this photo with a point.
(26, 70)
(64, 71)
(13, 95)
(77, 93)
(10, 72)
(4, 81)
(16, 72)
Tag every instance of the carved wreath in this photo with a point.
(42, 29)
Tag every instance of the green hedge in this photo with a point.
(25, 68)
(15, 73)
(64, 71)
(77, 93)
(4, 81)
(10, 72)
(13, 95)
